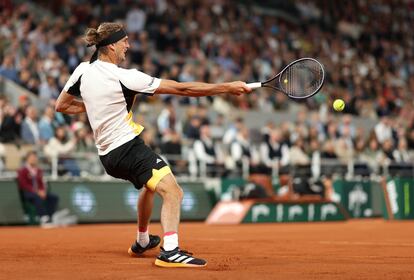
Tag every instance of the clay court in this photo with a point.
(374, 249)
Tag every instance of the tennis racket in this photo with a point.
(300, 79)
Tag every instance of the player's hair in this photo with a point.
(94, 36)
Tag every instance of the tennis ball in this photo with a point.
(338, 105)
(285, 81)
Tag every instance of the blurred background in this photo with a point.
(287, 149)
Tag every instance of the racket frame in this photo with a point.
(279, 76)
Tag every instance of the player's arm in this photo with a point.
(195, 89)
(68, 104)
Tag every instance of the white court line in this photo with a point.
(358, 243)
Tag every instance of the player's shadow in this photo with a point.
(149, 254)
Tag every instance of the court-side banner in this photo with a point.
(398, 198)
(251, 211)
(355, 196)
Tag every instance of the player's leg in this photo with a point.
(145, 203)
(144, 241)
(134, 162)
(171, 255)
(172, 195)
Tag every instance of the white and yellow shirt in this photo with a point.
(108, 93)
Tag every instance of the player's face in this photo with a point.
(121, 48)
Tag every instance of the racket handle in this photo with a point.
(254, 85)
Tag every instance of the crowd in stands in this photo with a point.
(367, 50)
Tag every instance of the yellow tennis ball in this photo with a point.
(285, 81)
(338, 105)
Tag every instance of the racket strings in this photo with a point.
(302, 79)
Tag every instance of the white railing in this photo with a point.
(90, 166)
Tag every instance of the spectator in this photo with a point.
(61, 147)
(171, 147)
(298, 154)
(372, 155)
(387, 148)
(11, 125)
(135, 19)
(217, 128)
(31, 183)
(48, 89)
(72, 60)
(273, 151)
(30, 128)
(167, 120)
(344, 150)
(401, 154)
(383, 130)
(192, 129)
(266, 130)
(347, 128)
(208, 152)
(85, 148)
(410, 139)
(84, 141)
(243, 154)
(231, 133)
(8, 70)
(328, 151)
(46, 125)
(23, 104)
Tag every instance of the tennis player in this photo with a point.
(106, 93)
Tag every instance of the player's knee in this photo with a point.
(170, 190)
(176, 192)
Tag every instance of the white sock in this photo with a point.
(143, 238)
(170, 240)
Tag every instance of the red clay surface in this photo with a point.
(373, 249)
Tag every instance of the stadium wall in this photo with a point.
(94, 202)
(115, 201)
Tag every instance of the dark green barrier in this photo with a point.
(399, 199)
(116, 201)
(294, 212)
(104, 201)
(355, 196)
(10, 207)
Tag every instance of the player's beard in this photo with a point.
(121, 56)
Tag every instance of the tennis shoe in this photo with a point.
(136, 250)
(178, 258)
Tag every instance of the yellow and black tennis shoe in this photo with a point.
(178, 258)
(136, 250)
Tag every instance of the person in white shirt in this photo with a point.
(383, 130)
(208, 152)
(273, 151)
(108, 93)
(243, 154)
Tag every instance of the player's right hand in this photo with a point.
(238, 88)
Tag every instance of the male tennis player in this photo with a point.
(108, 93)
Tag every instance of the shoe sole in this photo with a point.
(133, 254)
(161, 263)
